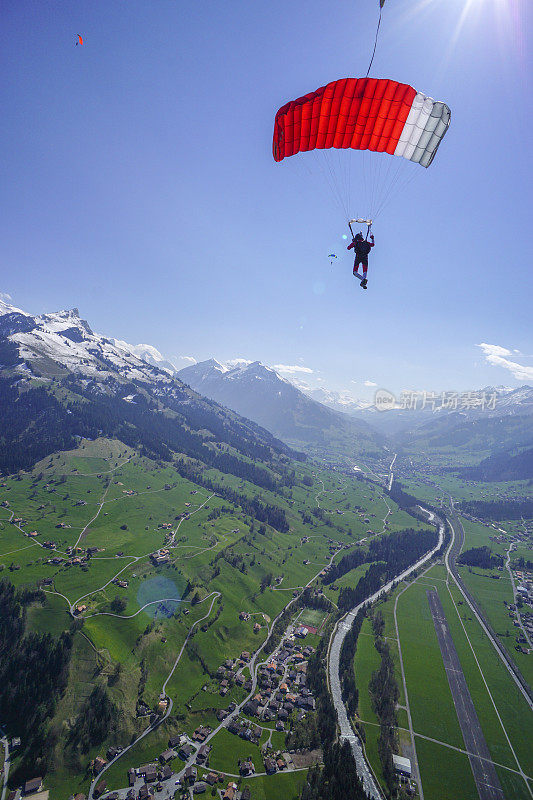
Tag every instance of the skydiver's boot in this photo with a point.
(364, 281)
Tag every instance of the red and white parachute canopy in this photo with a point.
(363, 114)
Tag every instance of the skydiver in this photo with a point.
(361, 249)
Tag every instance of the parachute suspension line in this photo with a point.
(325, 168)
(334, 183)
(399, 183)
(384, 180)
(375, 44)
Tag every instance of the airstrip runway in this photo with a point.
(487, 783)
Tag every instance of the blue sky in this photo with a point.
(137, 183)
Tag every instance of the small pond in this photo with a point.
(163, 594)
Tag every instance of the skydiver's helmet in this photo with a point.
(359, 237)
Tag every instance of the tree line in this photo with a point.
(480, 557)
(350, 693)
(384, 693)
(392, 554)
(498, 510)
(33, 676)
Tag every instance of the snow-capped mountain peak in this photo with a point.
(52, 343)
(147, 353)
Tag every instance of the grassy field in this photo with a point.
(104, 496)
(286, 785)
(492, 588)
(445, 773)
(432, 708)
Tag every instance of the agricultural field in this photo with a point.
(435, 486)
(502, 711)
(492, 588)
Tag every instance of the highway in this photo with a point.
(5, 744)
(343, 626)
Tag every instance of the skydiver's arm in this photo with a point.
(351, 245)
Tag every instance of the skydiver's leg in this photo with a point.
(365, 268)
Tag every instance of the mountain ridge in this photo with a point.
(258, 392)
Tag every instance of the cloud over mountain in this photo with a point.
(497, 356)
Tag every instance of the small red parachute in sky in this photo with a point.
(80, 40)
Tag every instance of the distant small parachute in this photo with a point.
(80, 40)
(331, 256)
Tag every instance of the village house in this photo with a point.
(190, 775)
(167, 755)
(98, 764)
(270, 766)
(148, 772)
(100, 788)
(186, 752)
(201, 733)
(246, 767)
(32, 786)
(231, 792)
(177, 741)
(203, 753)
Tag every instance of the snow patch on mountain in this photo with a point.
(65, 339)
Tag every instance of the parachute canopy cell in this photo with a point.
(80, 40)
(363, 114)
